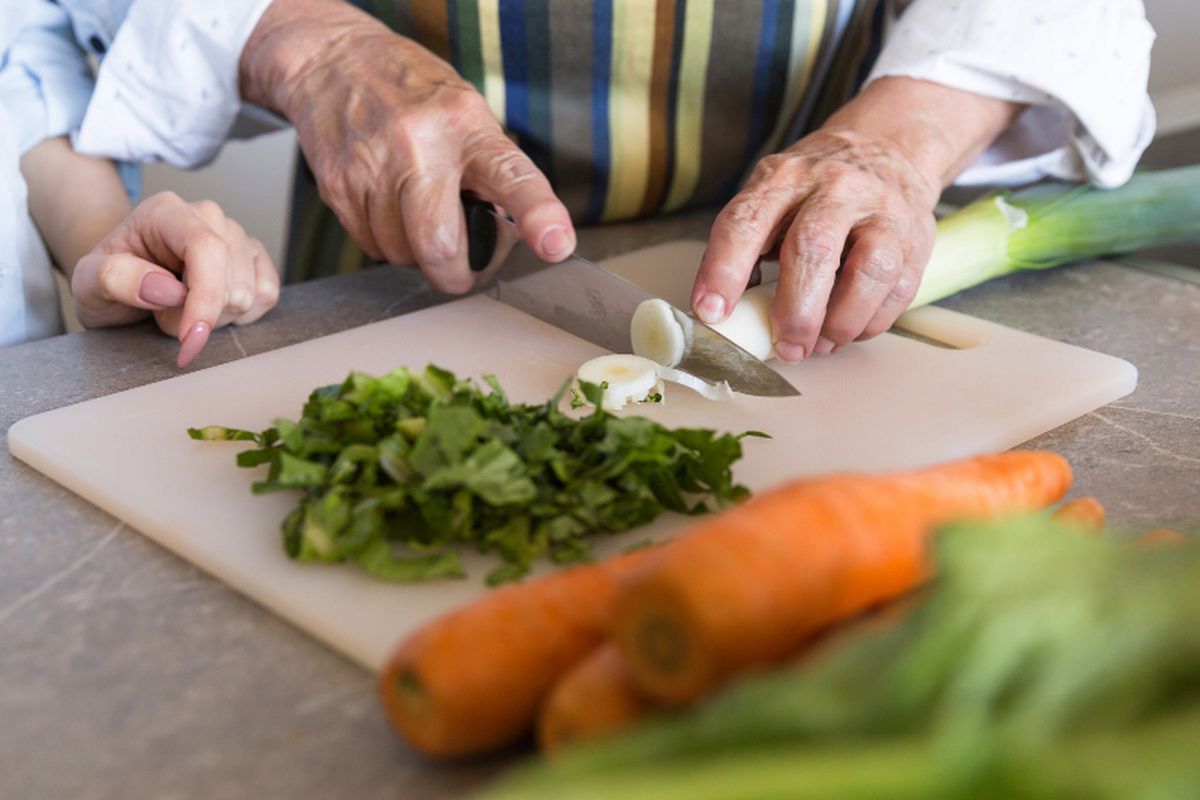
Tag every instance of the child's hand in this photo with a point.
(187, 263)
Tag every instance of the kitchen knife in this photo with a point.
(592, 303)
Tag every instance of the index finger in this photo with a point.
(497, 170)
(740, 234)
(177, 236)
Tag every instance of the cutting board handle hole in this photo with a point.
(927, 340)
(938, 327)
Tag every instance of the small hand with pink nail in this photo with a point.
(188, 264)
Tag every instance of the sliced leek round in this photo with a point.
(625, 378)
(659, 333)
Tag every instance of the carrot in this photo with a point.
(595, 698)
(1163, 536)
(473, 680)
(748, 587)
(1085, 513)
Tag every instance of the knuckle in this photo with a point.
(837, 186)
(840, 179)
(268, 292)
(334, 191)
(817, 243)
(234, 230)
(745, 218)
(905, 289)
(240, 300)
(166, 199)
(107, 276)
(407, 131)
(509, 167)
(438, 249)
(205, 242)
(208, 208)
(879, 266)
(463, 103)
(770, 166)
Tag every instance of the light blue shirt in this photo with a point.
(166, 90)
(45, 87)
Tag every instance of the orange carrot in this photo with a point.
(595, 698)
(1163, 536)
(748, 587)
(1085, 513)
(473, 680)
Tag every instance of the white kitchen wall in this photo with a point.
(1175, 71)
(252, 180)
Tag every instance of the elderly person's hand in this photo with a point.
(393, 134)
(850, 210)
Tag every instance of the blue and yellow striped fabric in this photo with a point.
(636, 107)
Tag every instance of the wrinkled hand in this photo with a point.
(850, 210)
(188, 264)
(852, 218)
(393, 135)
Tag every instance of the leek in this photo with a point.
(1035, 228)
(1051, 224)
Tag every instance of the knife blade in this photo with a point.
(582, 298)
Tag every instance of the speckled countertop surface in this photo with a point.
(127, 673)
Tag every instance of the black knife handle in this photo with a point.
(481, 231)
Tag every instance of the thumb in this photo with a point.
(111, 289)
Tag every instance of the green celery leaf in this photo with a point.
(377, 560)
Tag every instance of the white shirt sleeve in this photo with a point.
(167, 88)
(1081, 66)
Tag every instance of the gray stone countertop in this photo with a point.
(127, 673)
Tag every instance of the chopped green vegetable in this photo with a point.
(395, 472)
(1042, 663)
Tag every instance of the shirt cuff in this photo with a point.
(168, 87)
(45, 82)
(1080, 65)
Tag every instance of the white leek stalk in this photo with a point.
(749, 323)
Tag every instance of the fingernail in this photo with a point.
(161, 290)
(193, 343)
(555, 242)
(789, 351)
(823, 346)
(711, 308)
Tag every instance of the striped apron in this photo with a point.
(631, 107)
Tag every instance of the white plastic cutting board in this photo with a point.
(889, 403)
